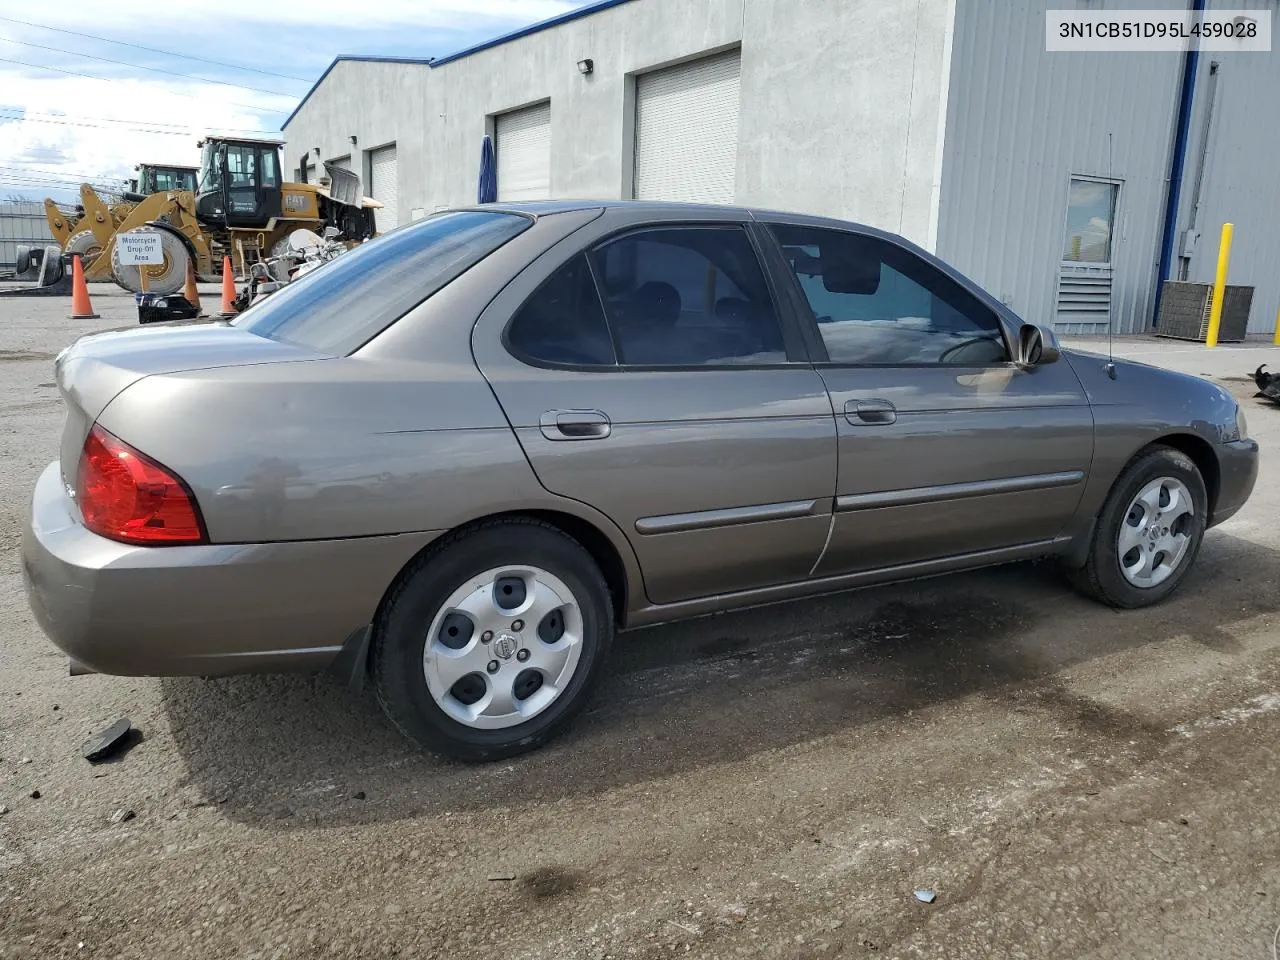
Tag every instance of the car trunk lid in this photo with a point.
(95, 369)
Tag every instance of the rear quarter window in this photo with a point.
(349, 301)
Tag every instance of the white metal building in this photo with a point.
(943, 120)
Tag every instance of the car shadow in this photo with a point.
(291, 752)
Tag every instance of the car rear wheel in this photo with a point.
(491, 644)
(1148, 533)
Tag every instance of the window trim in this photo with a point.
(792, 335)
(813, 335)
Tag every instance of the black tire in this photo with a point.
(1101, 577)
(401, 635)
(162, 280)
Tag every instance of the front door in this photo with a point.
(647, 373)
(945, 447)
(253, 184)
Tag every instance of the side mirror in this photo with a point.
(1036, 346)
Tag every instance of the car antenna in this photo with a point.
(1111, 359)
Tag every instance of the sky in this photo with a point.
(68, 115)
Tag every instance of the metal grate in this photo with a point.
(1185, 309)
(1084, 297)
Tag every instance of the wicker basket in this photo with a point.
(1185, 307)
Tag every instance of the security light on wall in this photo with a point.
(317, 150)
(585, 67)
(353, 139)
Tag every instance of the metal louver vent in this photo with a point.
(1084, 295)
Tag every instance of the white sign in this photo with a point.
(139, 247)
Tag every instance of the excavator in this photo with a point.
(241, 208)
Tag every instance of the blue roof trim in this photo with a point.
(347, 56)
(584, 11)
(433, 62)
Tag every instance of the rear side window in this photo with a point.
(562, 322)
(688, 296)
(341, 306)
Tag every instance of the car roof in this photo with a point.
(665, 207)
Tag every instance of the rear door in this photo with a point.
(646, 371)
(945, 446)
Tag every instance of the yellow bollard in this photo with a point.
(1276, 340)
(1219, 286)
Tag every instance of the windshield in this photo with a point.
(339, 307)
(164, 179)
(210, 176)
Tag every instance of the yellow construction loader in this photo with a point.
(87, 229)
(241, 208)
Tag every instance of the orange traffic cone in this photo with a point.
(228, 288)
(189, 290)
(81, 308)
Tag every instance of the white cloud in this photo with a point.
(340, 14)
(134, 96)
(49, 150)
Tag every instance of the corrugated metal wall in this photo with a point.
(21, 222)
(1241, 182)
(1020, 123)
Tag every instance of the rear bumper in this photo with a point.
(200, 610)
(1237, 473)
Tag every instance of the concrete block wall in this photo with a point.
(842, 102)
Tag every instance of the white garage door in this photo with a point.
(342, 163)
(524, 153)
(382, 165)
(687, 131)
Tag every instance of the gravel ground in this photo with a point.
(1070, 781)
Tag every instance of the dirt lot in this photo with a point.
(1072, 782)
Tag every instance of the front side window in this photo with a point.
(210, 170)
(340, 306)
(269, 178)
(876, 303)
(688, 296)
(1091, 207)
(563, 323)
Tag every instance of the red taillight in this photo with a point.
(127, 496)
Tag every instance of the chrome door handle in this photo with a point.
(859, 412)
(575, 425)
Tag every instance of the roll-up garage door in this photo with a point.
(524, 153)
(382, 166)
(687, 131)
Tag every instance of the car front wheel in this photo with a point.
(492, 642)
(1148, 533)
